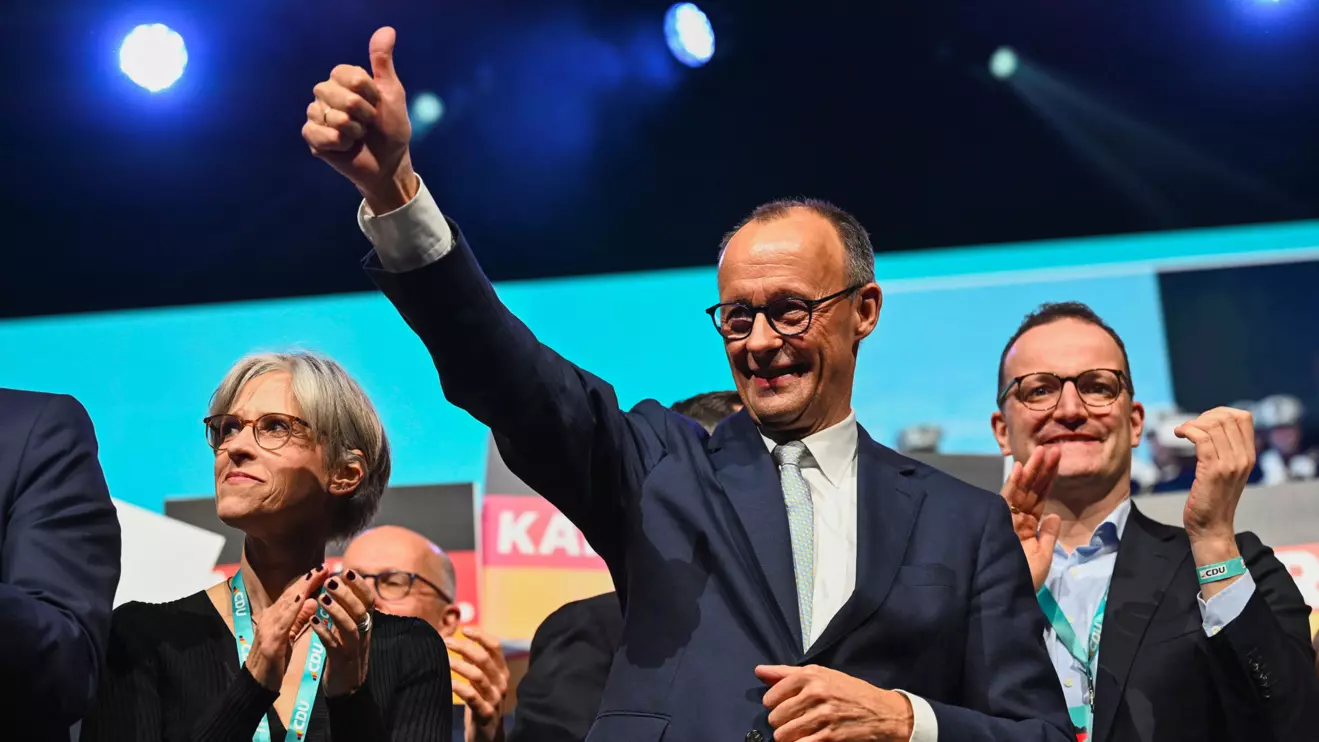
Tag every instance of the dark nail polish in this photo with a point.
(321, 568)
(325, 599)
(315, 619)
(308, 577)
(334, 584)
(351, 576)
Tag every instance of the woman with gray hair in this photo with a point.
(301, 459)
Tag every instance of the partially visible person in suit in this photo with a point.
(283, 649)
(785, 577)
(709, 408)
(1157, 634)
(1315, 647)
(59, 562)
(413, 577)
(571, 653)
(574, 646)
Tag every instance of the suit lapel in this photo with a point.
(751, 482)
(888, 499)
(1147, 560)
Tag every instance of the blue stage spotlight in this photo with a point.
(153, 56)
(689, 33)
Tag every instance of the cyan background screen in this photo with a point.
(145, 376)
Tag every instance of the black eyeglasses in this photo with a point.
(272, 430)
(788, 316)
(395, 585)
(1041, 391)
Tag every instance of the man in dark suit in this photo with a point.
(571, 653)
(574, 646)
(59, 562)
(1157, 634)
(786, 577)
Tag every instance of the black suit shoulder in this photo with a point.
(943, 490)
(571, 654)
(601, 615)
(24, 409)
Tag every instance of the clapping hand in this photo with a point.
(1026, 491)
(481, 662)
(349, 603)
(1224, 441)
(280, 626)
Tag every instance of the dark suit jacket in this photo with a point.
(695, 534)
(59, 561)
(1162, 680)
(571, 653)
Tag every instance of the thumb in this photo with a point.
(771, 674)
(1050, 527)
(382, 55)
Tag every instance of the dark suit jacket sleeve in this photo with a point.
(1264, 664)
(1010, 692)
(559, 428)
(571, 654)
(59, 569)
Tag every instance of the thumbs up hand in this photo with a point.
(358, 123)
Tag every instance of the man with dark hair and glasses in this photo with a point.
(1156, 633)
(786, 577)
(413, 577)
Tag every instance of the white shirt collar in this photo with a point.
(831, 450)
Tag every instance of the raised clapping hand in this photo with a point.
(482, 664)
(348, 640)
(1026, 491)
(280, 626)
(358, 123)
(1224, 441)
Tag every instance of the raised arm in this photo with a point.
(1254, 615)
(59, 568)
(559, 428)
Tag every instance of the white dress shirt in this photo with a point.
(829, 468)
(416, 234)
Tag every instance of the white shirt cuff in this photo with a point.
(410, 237)
(1223, 608)
(924, 724)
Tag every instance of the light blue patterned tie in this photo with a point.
(801, 524)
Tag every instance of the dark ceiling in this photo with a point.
(574, 145)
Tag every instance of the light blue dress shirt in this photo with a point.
(1079, 581)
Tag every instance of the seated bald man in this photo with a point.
(414, 577)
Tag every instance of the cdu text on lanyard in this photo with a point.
(1085, 651)
(312, 669)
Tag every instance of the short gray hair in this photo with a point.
(858, 251)
(342, 417)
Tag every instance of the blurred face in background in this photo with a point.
(798, 384)
(270, 471)
(392, 555)
(1096, 440)
(1286, 439)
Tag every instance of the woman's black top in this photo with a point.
(172, 675)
